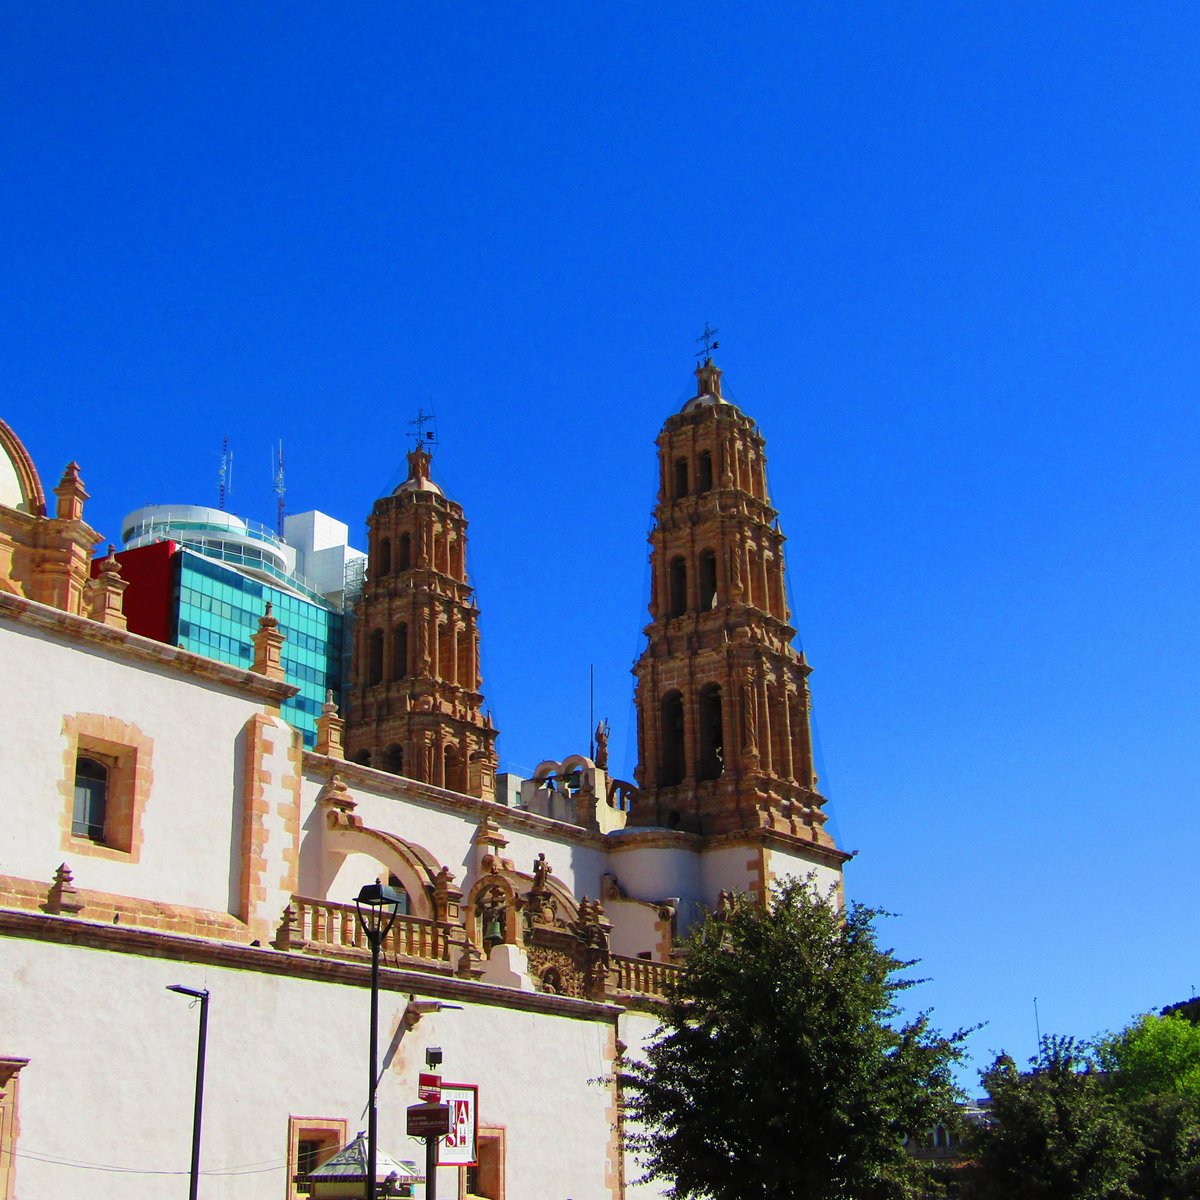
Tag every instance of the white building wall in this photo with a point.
(190, 845)
(277, 1046)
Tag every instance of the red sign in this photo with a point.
(428, 1120)
(429, 1087)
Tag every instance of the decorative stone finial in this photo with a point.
(71, 494)
(268, 647)
(329, 729)
(62, 897)
(106, 592)
(708, 379)
(418, 464)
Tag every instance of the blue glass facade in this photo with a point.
(217, 612)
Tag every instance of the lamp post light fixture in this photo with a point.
(200, 994)
(377, 907)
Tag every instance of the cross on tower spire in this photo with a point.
(423, 418)
(709, 338)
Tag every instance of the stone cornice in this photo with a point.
(133, 647)
(774, 839)
(149, 943)
(648, 837)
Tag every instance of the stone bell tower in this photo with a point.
(416, 706)
(724, 740)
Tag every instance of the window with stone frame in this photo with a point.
(106, 784)
(485, 1180)
(312, 1141)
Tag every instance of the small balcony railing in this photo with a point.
(643, 976)
(325, 926)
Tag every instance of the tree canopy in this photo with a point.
(1153, 1057)
(782, 1067)
(1054, 1133)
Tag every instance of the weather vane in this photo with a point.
(423, 418)
(709, 338)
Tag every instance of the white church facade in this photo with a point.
(164, 825)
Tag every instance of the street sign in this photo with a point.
(458, 1148)
(428, 1120)
(429, 1087)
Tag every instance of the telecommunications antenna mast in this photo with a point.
(277, 473)
(225, 474)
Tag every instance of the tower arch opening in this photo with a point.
(681, 478)
(704, 472)
(375, 657)
(678, 584)
(400, 651)
(712, 732)
(708, 580)
(672, 764)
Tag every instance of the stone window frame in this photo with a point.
(494, 1137)
(333, 1131)
(126, 752)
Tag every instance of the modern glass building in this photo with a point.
(201, 578)
(217, 613)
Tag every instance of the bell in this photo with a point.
(493, 931)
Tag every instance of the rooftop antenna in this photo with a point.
(709, 338)
(225, 475)
(591, 710)
(277, 472)
(425, 437)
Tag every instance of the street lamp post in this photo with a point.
(377, 907)
(202, 996)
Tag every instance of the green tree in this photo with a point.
(782, 1068)
(1153, 1069)
(1055, 1132)
(1155, 1056)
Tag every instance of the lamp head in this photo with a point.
(433, 1056)
(202, 994)
(377, 907)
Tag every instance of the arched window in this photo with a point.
(708, 581)
(385, 556)
(671, 766)
(405, 552)
(91, 799)
(400, 651)
(678, 587)
(375, 657)
(393, 759)
(363, 758)
(452, 772)
(712, 742)
(396, 886)
(681, 478)
(704, 472)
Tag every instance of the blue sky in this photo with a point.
(953, 254)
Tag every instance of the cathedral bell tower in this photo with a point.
(416, 706)
(724, 742)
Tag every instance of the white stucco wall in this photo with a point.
(190, 842)
(276, 1046)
